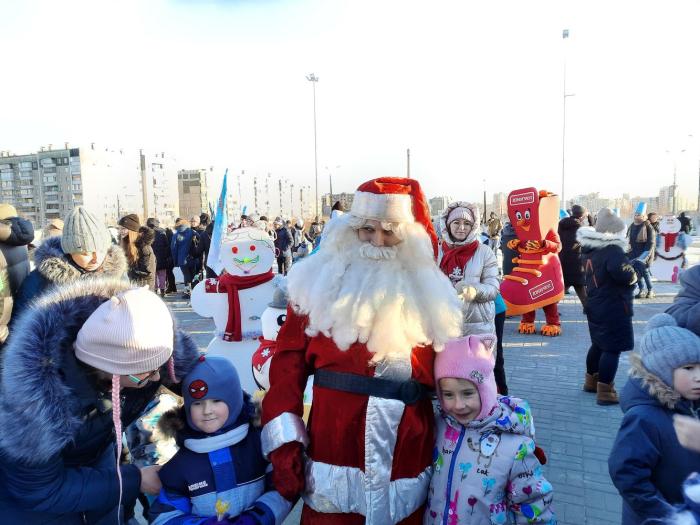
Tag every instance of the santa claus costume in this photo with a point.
(365, 320)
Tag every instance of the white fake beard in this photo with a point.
(390, 298)
(377, 253)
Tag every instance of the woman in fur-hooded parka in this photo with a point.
(610, 283)
(57, 436)
(54, 267)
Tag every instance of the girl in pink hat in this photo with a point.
(485, 468)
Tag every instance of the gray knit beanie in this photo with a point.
(84, 233)
(666, 346)
(607, 222)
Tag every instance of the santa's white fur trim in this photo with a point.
(391, 207)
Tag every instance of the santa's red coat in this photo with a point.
(337, 423)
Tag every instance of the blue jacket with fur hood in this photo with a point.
(647, 464)
(57, 443)
(56, 268)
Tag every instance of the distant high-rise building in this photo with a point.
(42, 186)
(192, 189)
(109, 182)
(438, 205)
(328, 200)
(499, 204)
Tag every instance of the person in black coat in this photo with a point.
(570, 255)
(205, 231)
(686, 223)
(283, 247)
(610, 281)
(508, 234)
(15, 235)
(164, 257)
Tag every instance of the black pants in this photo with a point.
(172, 288)
(580, 290)
(284, 262)
(602, 363)
(499, 372)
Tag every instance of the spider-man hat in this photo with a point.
(213, 377)
(394, 199)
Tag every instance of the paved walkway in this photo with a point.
(576, 433)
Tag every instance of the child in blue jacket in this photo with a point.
(219, 475)
(647, 463)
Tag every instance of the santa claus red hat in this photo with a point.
(394, 199)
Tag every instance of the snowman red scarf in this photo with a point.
(231, 285)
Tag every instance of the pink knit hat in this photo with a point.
(132, 333)
(471, 358)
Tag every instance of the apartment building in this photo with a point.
(110, 182)
(192, 192)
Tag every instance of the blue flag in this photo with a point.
(220, 229)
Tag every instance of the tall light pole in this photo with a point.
(564, 35)
(674, 157)
(313, 79)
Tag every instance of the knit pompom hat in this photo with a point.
(84, 233)
(666, 346)
(213, 377)
(471, 358)
(607, 222)
(132, 333)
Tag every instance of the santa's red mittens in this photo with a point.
(288, 470)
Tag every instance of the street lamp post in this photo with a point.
(674, 186)
(565, 35)
(313, 79)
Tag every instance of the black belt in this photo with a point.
(409, 391)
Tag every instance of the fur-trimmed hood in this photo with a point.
(445, 230)
(43, 390)
(653, 391)
(53, 264)
(592, 240)
(146, 237)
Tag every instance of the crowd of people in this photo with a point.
(400, 320)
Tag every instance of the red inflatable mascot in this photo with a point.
(536, 281)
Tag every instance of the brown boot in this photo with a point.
(606, 394)
(590, 384)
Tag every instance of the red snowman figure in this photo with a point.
(536, 281)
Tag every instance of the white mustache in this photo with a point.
(377, 253)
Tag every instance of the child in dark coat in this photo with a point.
(647, 463)
(219, 475)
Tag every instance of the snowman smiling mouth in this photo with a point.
(246, 260)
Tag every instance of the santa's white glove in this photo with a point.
(466, 291)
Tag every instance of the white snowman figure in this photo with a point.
(272, 320)
(238, 297)
(671, 244)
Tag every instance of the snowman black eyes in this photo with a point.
(281, 319)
